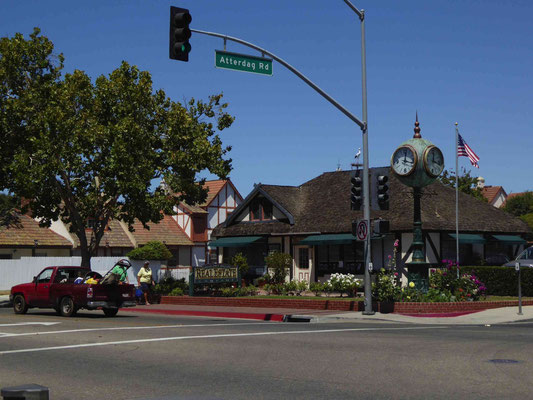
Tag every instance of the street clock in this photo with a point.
(417, 162)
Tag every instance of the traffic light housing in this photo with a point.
(356, 191)
(380, 189)
(179, 48)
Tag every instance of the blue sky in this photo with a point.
(467, 61)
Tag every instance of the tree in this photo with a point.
(82, 151)
(467, 183)
(519, 205)
(8, 210)
(153, 250)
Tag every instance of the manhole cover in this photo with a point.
(504, 361)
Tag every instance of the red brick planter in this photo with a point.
(340, 305)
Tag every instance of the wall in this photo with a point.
(14, 272)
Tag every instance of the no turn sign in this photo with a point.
(362, 229)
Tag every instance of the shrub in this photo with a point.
(280, 263)
(176, 292)
(344, 283)
(168, 284)
(151, 251)
(239, 260)
(316, 288)
(386, 287)
(503, 281)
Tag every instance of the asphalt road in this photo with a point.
(139, 356)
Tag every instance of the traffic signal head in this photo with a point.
(179, 34)
(356, 191)
(382, 192)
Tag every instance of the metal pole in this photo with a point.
(519, 291)
(457, 199)
(366, 183)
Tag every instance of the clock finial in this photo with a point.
(417, 128)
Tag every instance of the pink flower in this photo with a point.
(396, 274)
(396, 243)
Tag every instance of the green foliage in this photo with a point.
(153, 250)
(316, 288)
(280, 263)
(168, 284)
(503, 281)
(8, 210)
(239, 260)
(528, 219)
(519, 205)
(239, 292)
(386, 288)
(89, 150)
(467, 183)
(176, 292)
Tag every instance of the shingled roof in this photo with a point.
(166, 231)
(27, 231)
(323, 205)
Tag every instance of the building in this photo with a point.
(313, 223)
(495, 195)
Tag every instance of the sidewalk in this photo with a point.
(486, 317)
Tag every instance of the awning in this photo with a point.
(509, 239)
(468, 238)
(341, 238)
(240, 241)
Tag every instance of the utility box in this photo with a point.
(25, 392)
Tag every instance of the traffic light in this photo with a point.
(179, 34)
(382, 191)
(356, 192)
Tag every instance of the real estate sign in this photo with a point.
(243, 62)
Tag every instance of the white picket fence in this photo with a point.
(13, 272)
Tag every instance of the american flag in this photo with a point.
(464, 150)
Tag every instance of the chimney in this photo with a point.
(480, 182)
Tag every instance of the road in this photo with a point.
(140, 356)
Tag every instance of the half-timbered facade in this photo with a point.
(198, 221)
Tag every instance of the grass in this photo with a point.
(505, 298)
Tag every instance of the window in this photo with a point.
(261, 210)
(273, 247)
(303, 257)
(44, 277)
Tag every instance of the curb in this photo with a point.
(256, 316)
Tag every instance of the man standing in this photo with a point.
(145, 280)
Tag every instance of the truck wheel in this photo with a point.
(19, 304)
(67, 308)
(110, 312)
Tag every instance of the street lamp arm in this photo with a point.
(361, 124)
(360, 13)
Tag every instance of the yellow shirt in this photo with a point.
(145, 275)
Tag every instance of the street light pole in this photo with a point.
(366, 184)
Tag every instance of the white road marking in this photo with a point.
(229, 335)
(32, 323)
(128, 328)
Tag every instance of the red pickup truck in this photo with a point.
(54, 288)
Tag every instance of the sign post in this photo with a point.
(517, 267)
(213, 274)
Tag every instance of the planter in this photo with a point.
(341, 305)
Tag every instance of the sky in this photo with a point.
(464, 61)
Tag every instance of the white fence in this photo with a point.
(13, 272)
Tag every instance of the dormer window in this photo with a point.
(260, 210)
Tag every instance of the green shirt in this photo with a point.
(121, 271)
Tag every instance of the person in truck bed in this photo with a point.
(119, 273)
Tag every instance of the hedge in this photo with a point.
(503, 281)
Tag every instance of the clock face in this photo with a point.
(404, 160)
(433, 161)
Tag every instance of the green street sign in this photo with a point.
(243, 62)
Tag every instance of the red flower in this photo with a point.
(460, 289)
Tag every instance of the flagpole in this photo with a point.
(457, 197)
